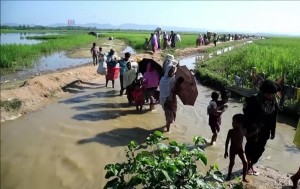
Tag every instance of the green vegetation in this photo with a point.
(13, 104)
(17, 56)
(274, 57)
(154, 164)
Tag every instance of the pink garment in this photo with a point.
(154, 43)
(151, 78)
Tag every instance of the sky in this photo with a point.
(245, 16)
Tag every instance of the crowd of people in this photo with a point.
(257, 123)
(161, 40)
(205, 39)
(148, 88)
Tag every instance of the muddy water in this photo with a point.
(61, 60)
(67, 144)
(191, 60)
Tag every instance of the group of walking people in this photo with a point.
(257, 124)
(151, 87)
(162, 40)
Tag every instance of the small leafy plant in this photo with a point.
(14, 104)
(155, 164)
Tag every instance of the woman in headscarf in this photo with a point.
(150, 83)
(165, 40)
(260, 115)
(154, 43)
(167, 97)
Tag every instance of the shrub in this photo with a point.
(154, 164)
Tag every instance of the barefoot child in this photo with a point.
(214, 119)
(235, 136)
(94, 51)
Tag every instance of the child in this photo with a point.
(138, 96)
(223, 103)
(94, 51)
(214, 119)
(235, 136)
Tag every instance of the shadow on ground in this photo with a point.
(120, 137)
(105, 114)
(85, 98)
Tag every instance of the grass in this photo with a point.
(13, 104)
(274, 57)
(17, 56)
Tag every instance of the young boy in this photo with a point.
(235, 136)
(214, 114)
(94, 51)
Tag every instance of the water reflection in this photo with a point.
(190, 61)
(20, 38)
(51, 62)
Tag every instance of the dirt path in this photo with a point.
(77, 97)
(41, 90)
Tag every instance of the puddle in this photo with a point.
(21, 38)
(190, 62)
(52, 62)
(55, 61)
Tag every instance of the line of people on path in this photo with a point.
(148, 88)
(157, 38)
(257, 124)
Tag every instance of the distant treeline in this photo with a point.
(80, 28)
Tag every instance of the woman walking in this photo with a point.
(169, 88)
(150, 84)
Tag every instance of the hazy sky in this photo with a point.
(248, 16)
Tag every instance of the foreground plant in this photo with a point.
(153, 164)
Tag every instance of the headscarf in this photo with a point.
(169, 60)
(166, 85)
(151, 78)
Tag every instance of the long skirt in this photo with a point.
(112, 73)
(170, 108)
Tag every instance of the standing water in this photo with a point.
(50, 149)
(21, 38)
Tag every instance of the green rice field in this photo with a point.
(15, 56)
(274, 57)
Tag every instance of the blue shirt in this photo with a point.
(123, 66)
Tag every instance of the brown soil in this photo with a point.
(39, 91)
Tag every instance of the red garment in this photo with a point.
(138, 96)
(112, 73)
